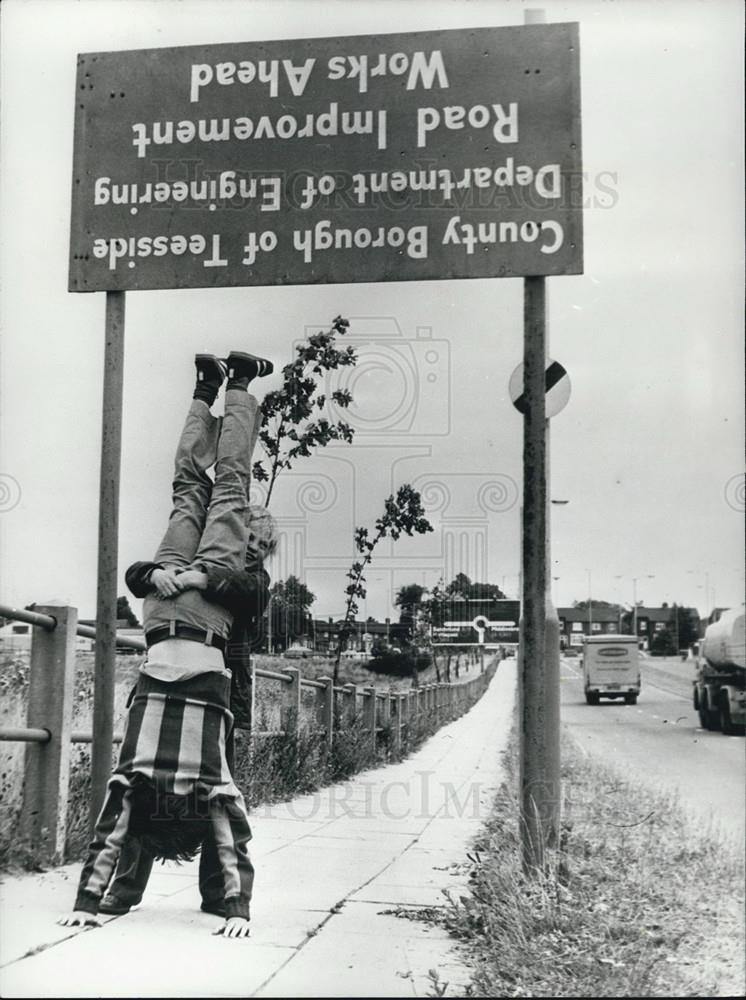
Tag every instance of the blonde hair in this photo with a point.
(262, 532)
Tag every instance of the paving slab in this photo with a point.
(340, 874)
(26, 903)
(273, 925)
(136, 956)
(340, 964)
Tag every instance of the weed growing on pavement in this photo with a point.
(621, 910)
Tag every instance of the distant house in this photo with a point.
(578, 622)
(652, 620)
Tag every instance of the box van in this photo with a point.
(611, 668)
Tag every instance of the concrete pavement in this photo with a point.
(333, 870)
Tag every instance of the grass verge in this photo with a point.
(640, 900)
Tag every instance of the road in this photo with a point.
(659, 742)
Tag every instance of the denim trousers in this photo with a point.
(207, 526)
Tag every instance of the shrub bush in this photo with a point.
(399, 663)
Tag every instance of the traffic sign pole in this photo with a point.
(539, 756)
(539, 659)
(108, 542)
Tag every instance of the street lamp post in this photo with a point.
(590, 604)
(619, 605)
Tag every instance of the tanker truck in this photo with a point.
(719, 688)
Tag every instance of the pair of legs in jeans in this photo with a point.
(207, 526)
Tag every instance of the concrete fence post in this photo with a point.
(325, 708)
(43, 819)
(369, 715)
(350, 704)
(386, 698)
(291, 707)
(395, 705)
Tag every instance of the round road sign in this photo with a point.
(557, 387)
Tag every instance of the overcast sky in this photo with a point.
(649, 451)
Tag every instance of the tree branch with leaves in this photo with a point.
(293, 425)
(403, 514)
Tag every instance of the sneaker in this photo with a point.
(114, 906)
(242, 365)
(217, 908)
(210, 369)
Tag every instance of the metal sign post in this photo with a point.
(539, 749)
(539, 661)
(108, 537)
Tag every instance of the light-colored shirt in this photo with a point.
(182, 659)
